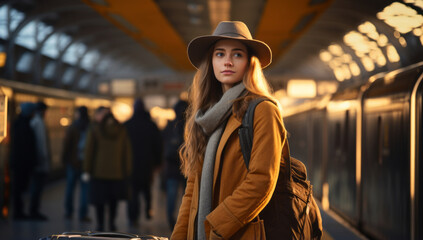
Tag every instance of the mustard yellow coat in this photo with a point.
(238, 195)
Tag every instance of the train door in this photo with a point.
(318, 147)
(341, 162)
(385, 165)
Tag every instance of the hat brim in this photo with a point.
(198, 47)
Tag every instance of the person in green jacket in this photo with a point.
(108, 165)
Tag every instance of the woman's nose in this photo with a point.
(228, 62)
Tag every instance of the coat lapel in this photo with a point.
(232, 125)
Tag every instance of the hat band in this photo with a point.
(232, 34)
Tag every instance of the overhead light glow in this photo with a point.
(401, 17)
(325, 56)
(301, 88)
(64, 122)
(339, 74)
(402, 41)
(368, 63)
(326, 87)
(392, 54)
(381, 60)
(355, 70)
(417, 32)
(346, 71)
(335, 49)
(382, 41)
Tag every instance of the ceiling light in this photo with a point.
(392, 53)
(301, 88)
(402, 41)
(355, 70)
(401, 17)
(382, 41)
(417, 32)
(368, 63)
(346, 71)
(195, 8)
(335, 49)
(339, 74)
(325, 56)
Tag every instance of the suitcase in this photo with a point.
(101, 236)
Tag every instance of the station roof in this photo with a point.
(90, 45)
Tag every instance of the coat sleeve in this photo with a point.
(253, 194)
(180, 231)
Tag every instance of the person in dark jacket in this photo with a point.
(146, 156)
(173, 137)
(72, 156)
(22, 157)
(42, 143)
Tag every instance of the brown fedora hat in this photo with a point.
(237, 30)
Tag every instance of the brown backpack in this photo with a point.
(292, 212)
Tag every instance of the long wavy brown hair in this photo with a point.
(204, 92)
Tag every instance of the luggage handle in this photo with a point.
(113, 234)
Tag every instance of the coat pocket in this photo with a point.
(252, 231)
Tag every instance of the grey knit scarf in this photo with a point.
(213, 122)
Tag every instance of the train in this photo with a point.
(362, 149)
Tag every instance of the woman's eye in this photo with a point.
(219, 54)
(238, 54)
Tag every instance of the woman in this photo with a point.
(222, 199)
(108, 163)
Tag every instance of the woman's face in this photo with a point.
(230, 61)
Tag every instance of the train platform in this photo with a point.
(53, 207)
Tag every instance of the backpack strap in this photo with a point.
(246, 134)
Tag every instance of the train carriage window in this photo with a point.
(346, 127)
(338, 145)
(382, 140)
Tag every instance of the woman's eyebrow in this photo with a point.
(234, 49)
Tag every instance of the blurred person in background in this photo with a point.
(107, 166)
(72, 156)
(22, 157)
(43, 160)
(146, 144)
(173, 138)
